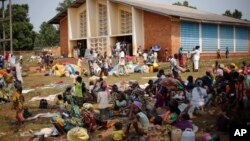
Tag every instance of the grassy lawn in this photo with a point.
(9, 130)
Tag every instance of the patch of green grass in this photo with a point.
(7, 116)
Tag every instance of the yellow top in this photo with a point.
(118, 135)
(18, 99)
(59, 102)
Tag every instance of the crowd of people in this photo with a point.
(45, 61)
(120, 57)
(169, 101)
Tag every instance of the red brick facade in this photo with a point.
(64, 35)
(248, 41)
(160, 30)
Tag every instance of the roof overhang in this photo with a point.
(61, 15)
(214, 22)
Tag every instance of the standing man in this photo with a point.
(218, 54)
(138, 54)
(145, 56)
(174, 65)
(180, 54)
(91, 62)
(227, 52)
(166, 55)
(117, 46)
(122, 68)
(196, 58)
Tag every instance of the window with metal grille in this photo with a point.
(189, 35)
(209, 37)
(226, 37)
(126, 22)
(99, 45)
(83, 24)
(102, 19)
(241, 37)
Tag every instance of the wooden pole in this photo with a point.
(10, 14)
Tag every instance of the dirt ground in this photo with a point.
(11, 131)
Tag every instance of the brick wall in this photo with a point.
(207, 56)
(249, 41)
(64, 35)
(163, 31)
(175, 35)
(157, 31)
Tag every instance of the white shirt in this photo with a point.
(197, 98)
(155, 57)
(91, 87)
(79, 62)
(196, 54)
(219, 72)
(173, 64)
(122, 54)
(145, 56)
(95, 55)
(102, 99)
(118, 46)
(122, 58)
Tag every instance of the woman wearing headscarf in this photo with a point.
(197, 97)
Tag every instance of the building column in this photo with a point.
(234, 39)
(200, 36)
(218, 34)
(137, 29)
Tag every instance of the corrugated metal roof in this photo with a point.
(184, 13)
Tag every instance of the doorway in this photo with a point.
(127, 42)
(82, 46)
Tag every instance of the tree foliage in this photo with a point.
(63, 5)
(235, 14)
(47, 36)
(185, 3)
(22, 29)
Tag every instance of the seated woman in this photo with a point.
(67, 94)
(114, 93)
(139, 120)
(88, 118)
(151, 88)
(184, 122)
(121, 102)
(171, 116)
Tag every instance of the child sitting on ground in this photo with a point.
(67, 94)
(118, 134)
(26, 113)
(59, 100)
(151, 88)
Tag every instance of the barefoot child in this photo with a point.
(118, 134)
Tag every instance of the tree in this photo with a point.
(228, 13)
(63, 5)
(47, 36)
(185, 3)
(236, 14)
(22, 29)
